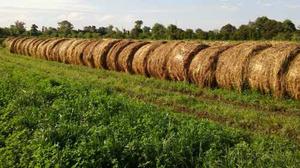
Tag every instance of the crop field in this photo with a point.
(68, 103)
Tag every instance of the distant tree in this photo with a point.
(173, 32)
(289, 26)
(200, 34)
(65, 27)
(91, 29)
(34, 30)
(189, 34)
(102, 31)
(137, 30)
(158, 31)
(18, 28)
(146, 32)
(227, 32)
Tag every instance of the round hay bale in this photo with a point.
(12, 44)
(157, 62)
(23, 45)
(88, 58)
(292, 79)
(62, 53)
(232, 66)
(19, 44)
(50, 48)
(203, 66)
(79, 50)
(70, 59)
(37, 50)
(7, 41)
(113, 54)
(54, 54)
(26, 46)
(32, 47)
(180, 59)
(140, 58)
(42, 48)
(267, 69)
(124, 62)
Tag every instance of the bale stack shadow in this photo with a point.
(271, 68)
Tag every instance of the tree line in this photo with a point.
(262, 28)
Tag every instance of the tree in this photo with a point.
(289, 26)
(65, 27)
(158, 31)
(172, 32)
(90, 29)
(189, 34)
(137, 30)
(227, 32)
(34, 30)
(200, 34)
(18, 28)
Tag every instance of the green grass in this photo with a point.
(53, 114)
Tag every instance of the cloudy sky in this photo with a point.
(205, 14)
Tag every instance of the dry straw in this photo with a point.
(31, 45)
(125, 58)
(78, 54)
(19, 45)
(69, 58)
(88, 58)
(113, 54)
(101, 51)
(140, 59)
(180, 59)
(62, 51)
(54, 54)
(268, 68)
(12, 44)
(50, 48)
(292, 79)
(41, 49)
(157, 62)
(203, 66)
(232, 66)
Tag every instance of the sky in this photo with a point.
(204, 14)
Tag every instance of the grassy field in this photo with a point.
(53, 114)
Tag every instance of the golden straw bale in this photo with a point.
(268, 68)
(63, 49)
(78, 54)
(88, 58)
(113, 54)
(50, 48)
(70, 59)
(232, 66)
(54, 54)
(157, 62)
(292, 78)
(180, 59)
(124, 62)
(203, 66)
(140, 58)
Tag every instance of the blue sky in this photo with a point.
(205, 14)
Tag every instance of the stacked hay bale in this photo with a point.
(62, 51)
(158, 59)
(50, 48)
(140, 59)
(69, 57)
(41, 49)
(113, 54)
(292, 79)
(88, 58)
(30, 46)
(203, 66)
(54, 53)
(232, 66)
(25, 46)
(19, 44)
(180, 59)
(78, 54)
(100, 53)
(267, 69)
(125, 58)
(12, 44)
